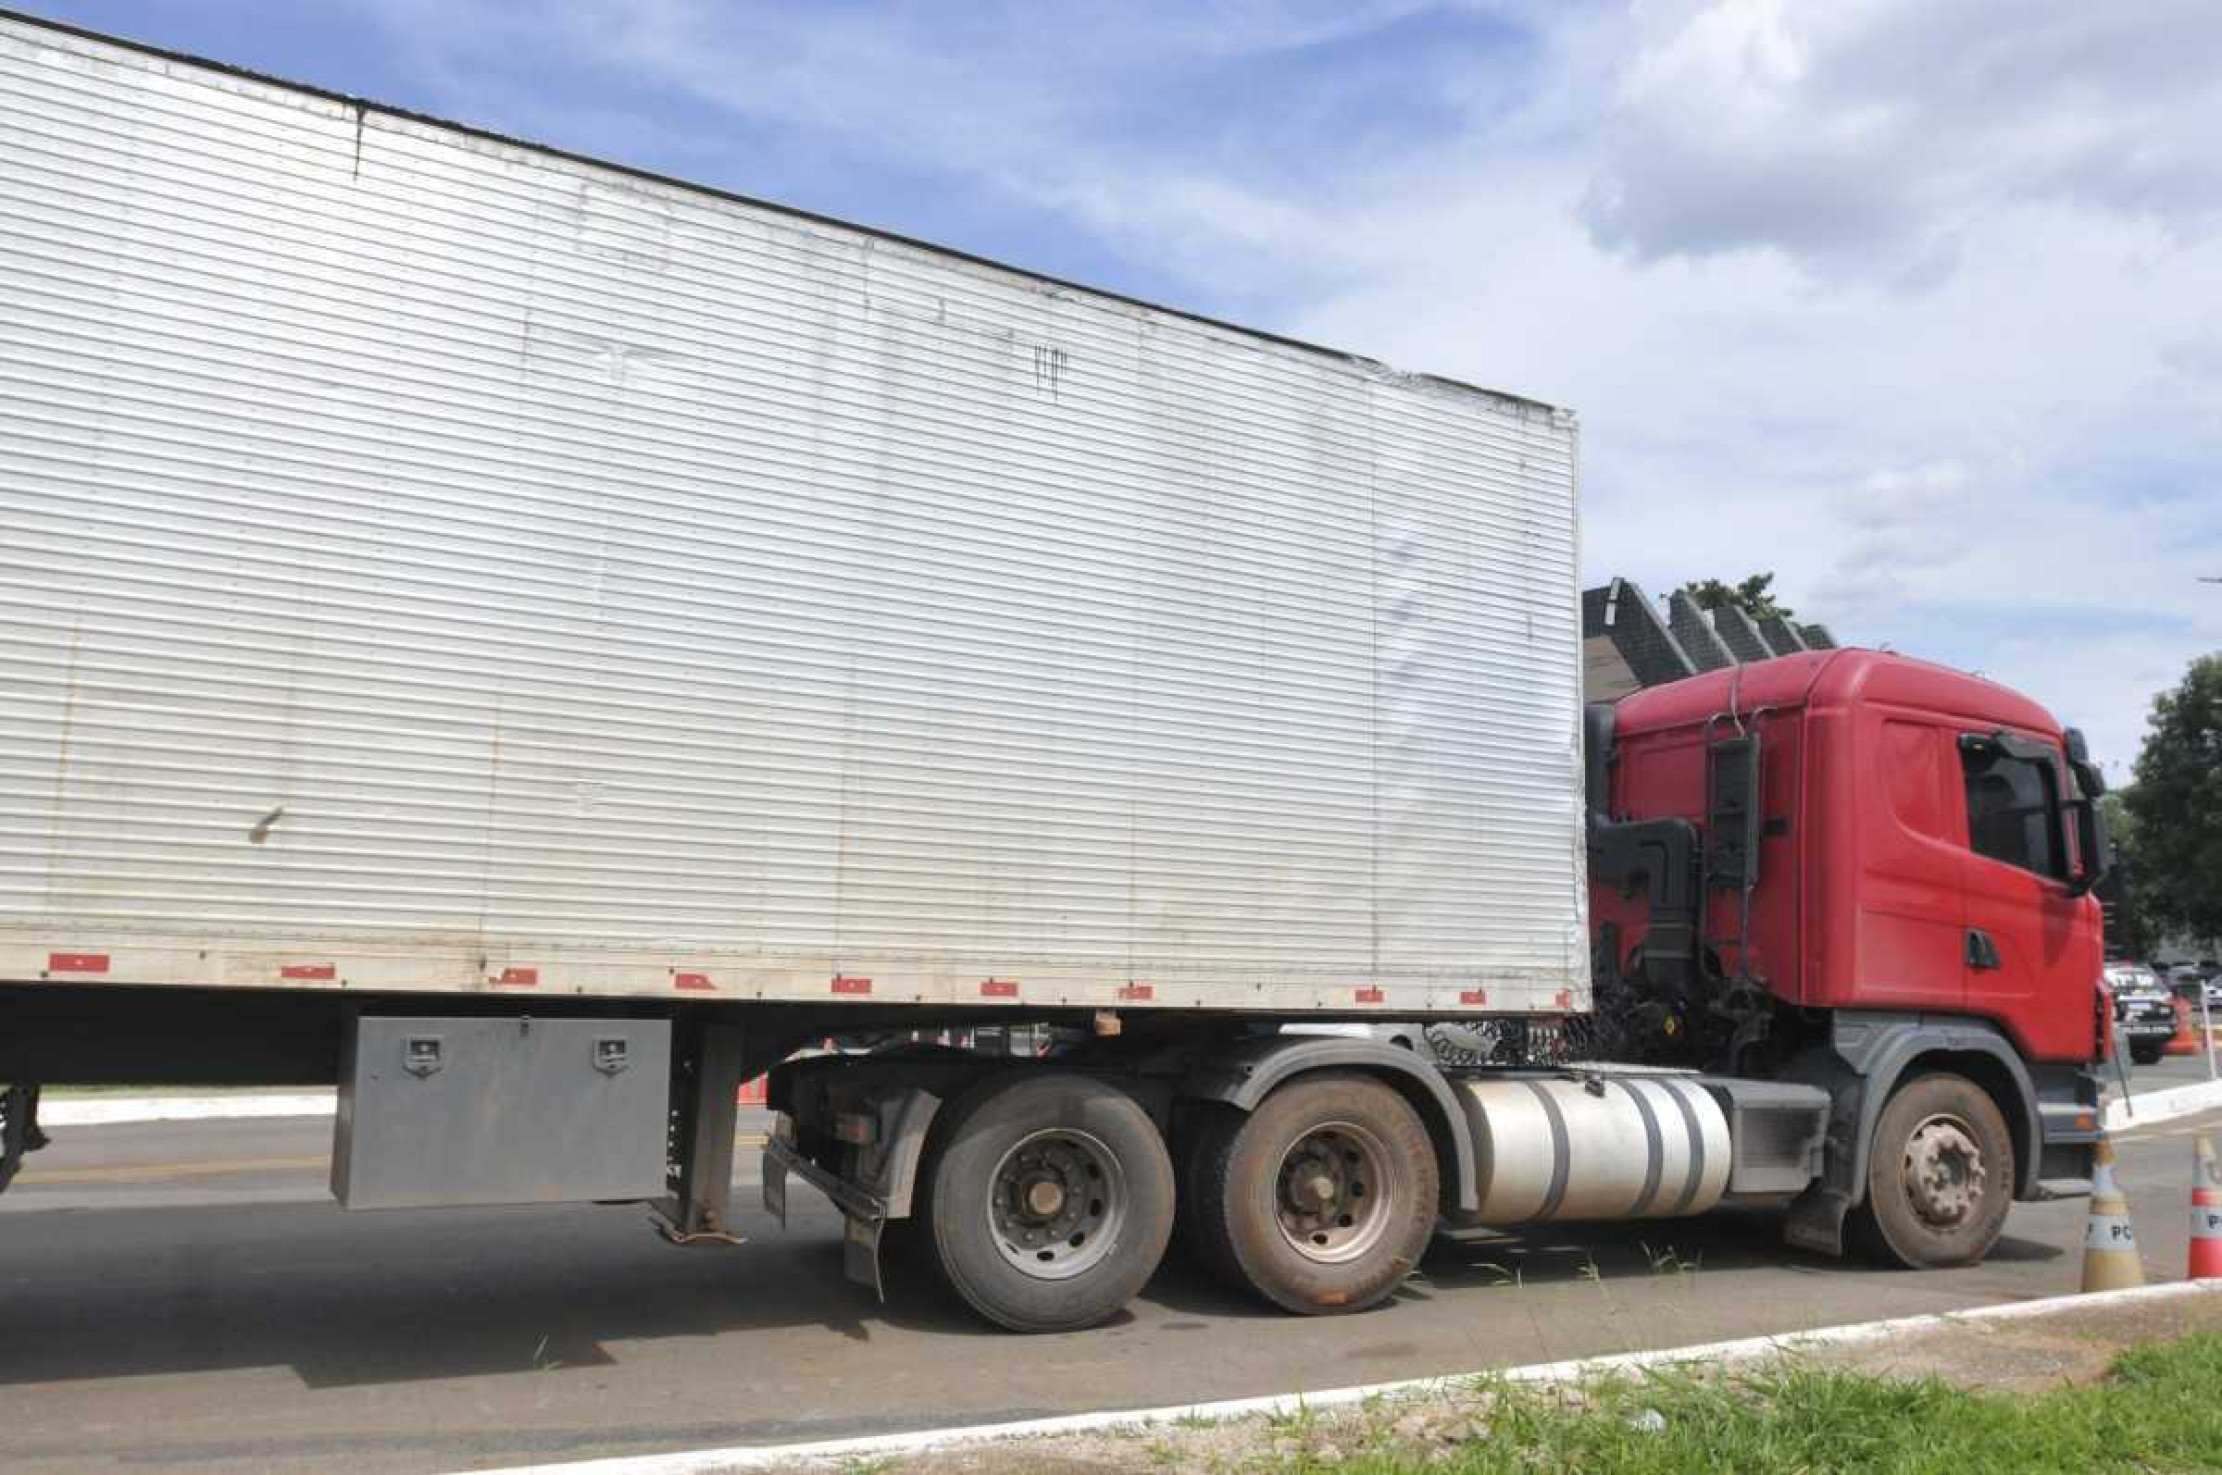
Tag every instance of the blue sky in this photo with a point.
(1916, 302)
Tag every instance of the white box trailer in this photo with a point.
(534, 642)
(434, 563)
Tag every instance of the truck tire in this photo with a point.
(1321, 1200)
(2148, 1054)
(1048, 1200)
(1940, 1176)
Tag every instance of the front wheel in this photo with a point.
(2148, 1054)
(1048, 1201)
(1322, 1199)
(1940, 1175)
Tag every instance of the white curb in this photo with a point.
(759, 1457)
(2161, 1106)
(101, 1111)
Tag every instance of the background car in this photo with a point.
(2144, 1010)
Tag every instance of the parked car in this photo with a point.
(2144, 1010)
(2188, 980)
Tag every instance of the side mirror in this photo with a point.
(2093, 849)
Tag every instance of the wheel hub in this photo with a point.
(1055, 1203)
(1330, 1202)
(1943, 1171)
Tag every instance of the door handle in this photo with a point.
(1982, 953)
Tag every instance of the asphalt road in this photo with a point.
(182, 1296)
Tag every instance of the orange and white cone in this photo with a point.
(2110, 1260)
(2206, 1212)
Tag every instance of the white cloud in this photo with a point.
(1874, 133)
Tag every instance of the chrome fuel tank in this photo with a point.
(1602, 1147)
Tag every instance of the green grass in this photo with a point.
(2159, 1410)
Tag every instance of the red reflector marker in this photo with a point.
(696, 981)
(1370, 996)
(519, 978)
(1138, 993)
(309, 972)
(999, 988)
(843, 984)
(77, 962)
(1473, 996)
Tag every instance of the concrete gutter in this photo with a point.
(2146, 1108)
(1713, 1354)
(101, 1111)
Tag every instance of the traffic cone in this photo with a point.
(2206, 1212)
(2185, 1041)
(2110, 1260)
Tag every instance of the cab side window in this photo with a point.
(2011, 815)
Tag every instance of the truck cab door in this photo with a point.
(2026, 956)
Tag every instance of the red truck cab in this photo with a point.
(1850, 867)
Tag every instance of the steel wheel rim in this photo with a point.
(1056, 1203)
(1942, 1171)
(1333, 1199)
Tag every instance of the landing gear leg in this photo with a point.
(19, 1129)
(706, 1077)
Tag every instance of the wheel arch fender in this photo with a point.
(1246, 1074)
(1869, 1059)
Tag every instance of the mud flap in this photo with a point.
(860, 1251)
(775, 1189)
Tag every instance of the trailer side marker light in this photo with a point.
(1137, 992)
(1473, 996)
(999, 988)
(699, 982)
(843, 984)
(77, 962)
(309, 972)
(519, 978)
(1370, 995)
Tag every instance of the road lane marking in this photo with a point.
(34, 1176)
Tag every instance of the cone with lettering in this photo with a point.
(2110, 1260)
(2206, 1212)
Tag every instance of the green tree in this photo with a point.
(2129, 931)
(2175, 806)
(1754, 596)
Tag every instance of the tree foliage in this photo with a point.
(2129, 927)
(2175, 806)
(1754, 596)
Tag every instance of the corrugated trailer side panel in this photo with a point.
(431, 562)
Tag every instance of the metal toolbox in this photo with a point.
(443, 1111)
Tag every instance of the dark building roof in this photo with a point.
(1695, 633)
(1625, 645)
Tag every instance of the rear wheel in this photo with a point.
(1940, 1175)
(1321, 1200)
(2148, 1054)
(1048, 1201)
